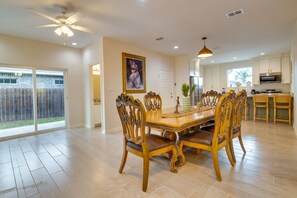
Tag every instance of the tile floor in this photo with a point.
(84, 163)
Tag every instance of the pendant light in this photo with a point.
(205, 52)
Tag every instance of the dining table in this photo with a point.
(171, 122)
(168, 120)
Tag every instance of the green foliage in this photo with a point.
(187, 90)
(22, 123)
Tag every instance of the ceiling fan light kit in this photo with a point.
(204, 52)
(64, 30)
(64, 24)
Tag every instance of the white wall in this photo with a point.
(112, 52)
(294, 76)
(23, 52)
(182, 69)
(91, 55)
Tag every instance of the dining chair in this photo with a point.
(217, 140)
(153, 101)
(136, 141)
(210, 98)
(238, 106)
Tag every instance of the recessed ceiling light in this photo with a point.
(262, 53)
(74, 44)
(175, 47)
(234, 58)
(212, 61)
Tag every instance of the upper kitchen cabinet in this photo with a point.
(256, 72)
(286, 69)
(212, 79)
(270, 64)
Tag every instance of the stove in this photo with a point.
(271, 91)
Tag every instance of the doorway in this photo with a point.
(96, 107)
(166, 88)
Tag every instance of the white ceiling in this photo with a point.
(266, 26)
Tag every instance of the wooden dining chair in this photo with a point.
(210, 98)
(152, 101)
(136, 141)
(238, 106)
(217, 140)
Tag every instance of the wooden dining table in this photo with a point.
(167, 120)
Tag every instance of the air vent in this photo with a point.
(234, 13)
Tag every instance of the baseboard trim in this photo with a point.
(77, 125)
(114, 130)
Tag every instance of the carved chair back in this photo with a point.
(152, 101)
(239, 104)
(223, 117)
(210, 98)
(133, 117)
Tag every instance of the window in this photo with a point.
(59, 82)
(8, 80)
(239, 77)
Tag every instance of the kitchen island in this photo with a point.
(280, 112)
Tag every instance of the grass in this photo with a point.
(22, 123)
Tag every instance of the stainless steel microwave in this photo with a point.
(271, 77)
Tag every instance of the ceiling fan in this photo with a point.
(64, 24)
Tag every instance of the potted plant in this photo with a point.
(187, 91)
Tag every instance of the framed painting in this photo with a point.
(133, 73)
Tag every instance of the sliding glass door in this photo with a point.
(31, 100)
(16, 101)
(50, 99)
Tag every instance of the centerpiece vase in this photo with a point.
(186, 103)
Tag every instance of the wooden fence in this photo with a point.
(17, 103)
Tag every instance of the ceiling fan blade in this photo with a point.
(84, 29)
(45, 26)
(74, 18)
(45, 16)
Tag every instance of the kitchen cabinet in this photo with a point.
(212, 79)
(286, 69)
(256, 73)
(270, 65)
(275, 64)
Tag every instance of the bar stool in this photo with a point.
(261, 101)
(282, 101)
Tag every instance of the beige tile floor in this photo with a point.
(84, 163)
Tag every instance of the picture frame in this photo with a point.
(134, 76)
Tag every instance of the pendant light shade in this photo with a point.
(205, 52)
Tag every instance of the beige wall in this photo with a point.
(182, 69)
(155, 62)
(91, 55)
(23, 52)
